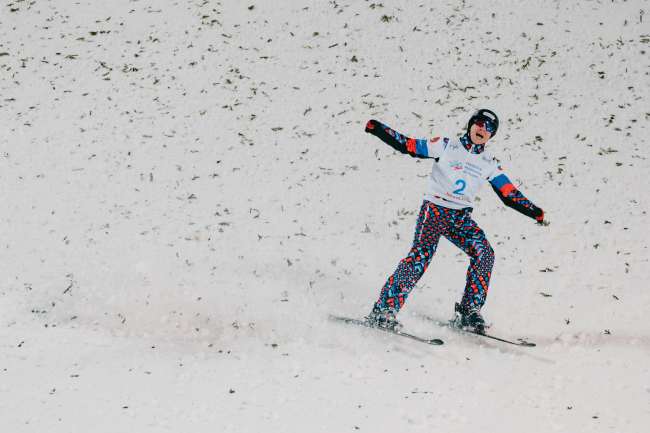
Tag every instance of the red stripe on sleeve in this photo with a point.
(410, 145)
(507, 189)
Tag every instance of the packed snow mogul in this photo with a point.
(461, 167)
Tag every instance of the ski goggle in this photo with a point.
(488, 124)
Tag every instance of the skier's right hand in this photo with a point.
(371, 125)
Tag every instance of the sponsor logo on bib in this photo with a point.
(456, 165)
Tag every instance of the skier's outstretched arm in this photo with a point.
(416, 147)
(513, 198)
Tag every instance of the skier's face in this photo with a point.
(478, 133)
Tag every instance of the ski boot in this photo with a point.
(469, 319)
(383, 319)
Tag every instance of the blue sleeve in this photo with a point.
(417, 148)
(513, 198)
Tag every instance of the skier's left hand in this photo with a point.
(540, 219)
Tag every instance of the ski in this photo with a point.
(519, 342)
(450, 324)
(360, 322)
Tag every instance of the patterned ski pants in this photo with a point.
(458, 227)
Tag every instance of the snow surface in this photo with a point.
(187, 194)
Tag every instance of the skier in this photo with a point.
(461, 166)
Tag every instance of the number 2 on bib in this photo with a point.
(461, 184)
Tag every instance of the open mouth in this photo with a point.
(480, 135)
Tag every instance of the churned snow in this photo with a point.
(187, 193)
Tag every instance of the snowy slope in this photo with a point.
(188, 193)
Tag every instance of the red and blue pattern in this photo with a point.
(459, 228)
(512, 197)
(416, 147)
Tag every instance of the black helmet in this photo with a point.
(491, 121)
